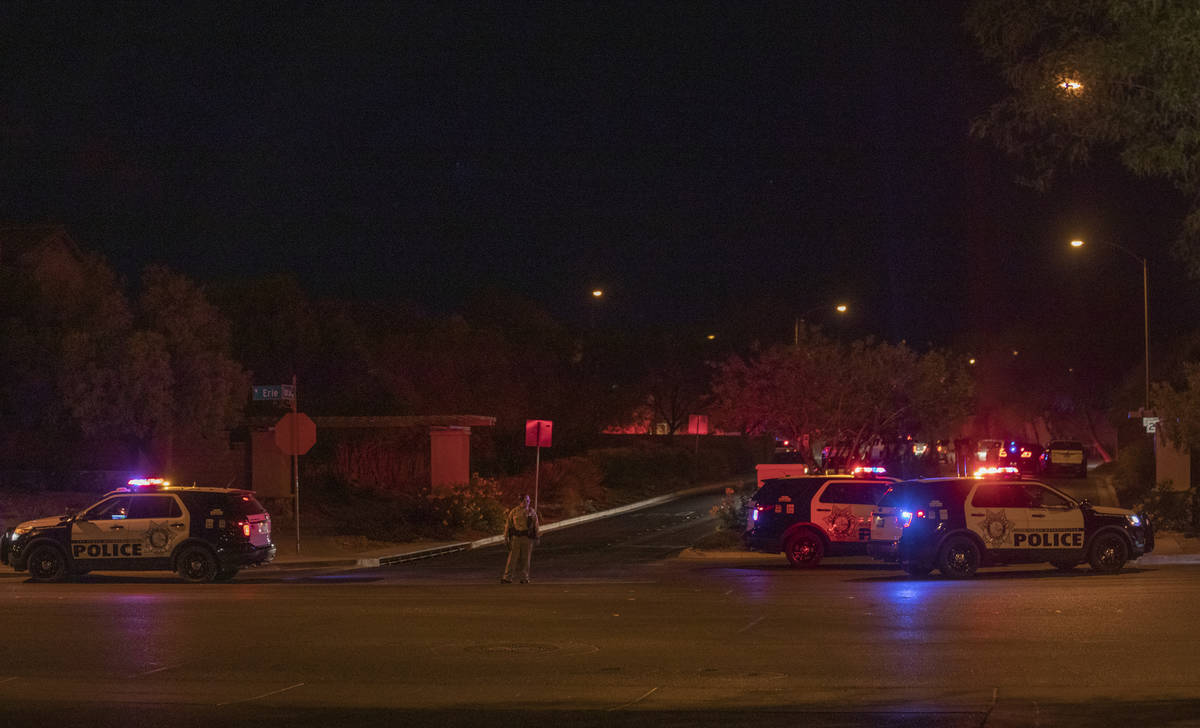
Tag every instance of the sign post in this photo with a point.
(538, 434)
(697, 425)
(295, 434)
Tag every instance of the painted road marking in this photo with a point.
(264, 695)
(647, 694)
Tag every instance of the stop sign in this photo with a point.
(295, 433)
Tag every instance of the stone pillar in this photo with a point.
(449, 457)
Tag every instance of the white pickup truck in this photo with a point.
(767, 471)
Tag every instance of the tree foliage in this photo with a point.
(165, 369)
(1098, 75)
(839, 393)
(1179, 409)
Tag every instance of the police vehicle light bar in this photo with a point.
(877, 469)
(149, 481)
(1003, 470)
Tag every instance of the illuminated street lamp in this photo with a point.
(839, 308)
(1145, 306)
(597, 293)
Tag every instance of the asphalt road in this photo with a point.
(614, 631)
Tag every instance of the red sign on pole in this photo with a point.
(537, 433)
(295, 433)
(697, 425)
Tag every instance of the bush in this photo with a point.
(733, 510)
(1172, 510)
(1133, 473)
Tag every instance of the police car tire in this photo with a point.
(197, 565)
(804, 548)
(47, 563)
(959, 557)
(1109, 553)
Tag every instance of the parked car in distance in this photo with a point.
(1065, 457)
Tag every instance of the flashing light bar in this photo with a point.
(877, 469)
(1003, 470)
(149, 481)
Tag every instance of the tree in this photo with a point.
(841, 394)
(1089, 75)
(1179, 409)
(165, 370)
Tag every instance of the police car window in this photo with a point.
(1000, 495)
(114, 509)
(245, 505)
(857, 493)
(837, 493)
(1040, 497)
(154, 506)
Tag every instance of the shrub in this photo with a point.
(1133, 473)
(733, 510)
(473, 508)
(1172, 510)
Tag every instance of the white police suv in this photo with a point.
(808, 517)
(959, 524)
(204, 534)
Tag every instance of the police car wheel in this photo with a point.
(804, 549)
(197, 565)
(47, 563)
(959, 557)
(1109, 553)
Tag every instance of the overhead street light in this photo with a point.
(839, 308)
(1145, 306)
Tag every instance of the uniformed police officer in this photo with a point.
(520, 532)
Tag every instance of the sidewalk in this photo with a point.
(352, 553)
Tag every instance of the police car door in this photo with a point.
(97, 535)
(158, 522)
(843, 509)
(997, 511)
(1055, 523)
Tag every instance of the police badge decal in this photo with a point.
(841, 520)
(996, 528)
(158, 538)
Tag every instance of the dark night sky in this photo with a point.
(704, 163)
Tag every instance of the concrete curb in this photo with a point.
(402, 557)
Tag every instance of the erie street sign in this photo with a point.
(274, 392)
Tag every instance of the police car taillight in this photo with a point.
(245, 526)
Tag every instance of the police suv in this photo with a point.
(811, 516)
(960, 524)
(204, 534)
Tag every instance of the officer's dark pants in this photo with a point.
(520, 549)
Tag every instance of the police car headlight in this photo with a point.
(20, 531)
(1133, 520)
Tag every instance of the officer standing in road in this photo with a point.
(520, 532)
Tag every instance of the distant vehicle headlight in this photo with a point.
(1133, 520)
